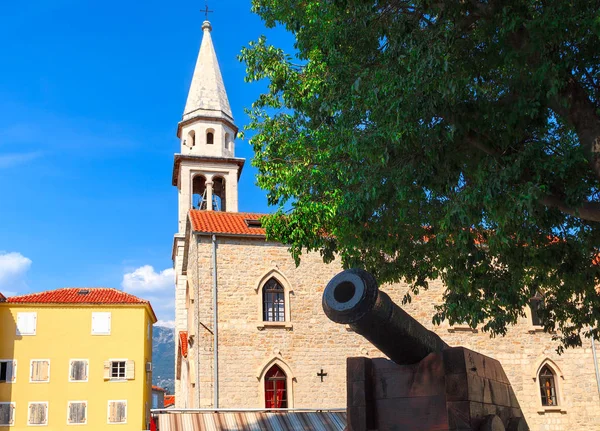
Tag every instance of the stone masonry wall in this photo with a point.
(311, 342)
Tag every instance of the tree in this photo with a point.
(425, 139)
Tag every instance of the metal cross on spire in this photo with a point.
(206, 11)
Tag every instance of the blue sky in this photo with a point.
(90, 97)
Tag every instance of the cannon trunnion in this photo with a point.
(427, 385)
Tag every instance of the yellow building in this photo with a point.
(75, 357)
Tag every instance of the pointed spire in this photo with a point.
(207, 96)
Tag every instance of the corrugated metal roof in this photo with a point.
(252, 421)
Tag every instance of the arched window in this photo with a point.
(536, 303)
(275, 388)
(273, 301)
(199, 192)
(191, 139)
(227, 141)
(547, 386)
(219, 194)
(210, 138)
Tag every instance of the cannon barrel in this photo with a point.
(353, 298)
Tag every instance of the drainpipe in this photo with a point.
(197, 320)
(215, 325)
(596, 365)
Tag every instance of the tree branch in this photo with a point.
(589, 211)
(573, 104)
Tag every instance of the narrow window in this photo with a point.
(26, 323)
(536, 304)
(38, 414)
(191, 139)
(79, 371)
(101, 323)
(8, 371)
(40, 370)
(273, 302)
(548, 387)
(154, 400)
(77, 412)
(275, 388)
(210, 138)
(7, 414)
(117, 412)
(227, 138)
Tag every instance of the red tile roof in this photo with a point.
(221, 222)
(169, 400)
(183, 343)
(80, 295)
(158, 388)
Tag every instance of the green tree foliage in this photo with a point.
(426, 139)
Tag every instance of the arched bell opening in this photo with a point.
(219, 194)
(199, 192)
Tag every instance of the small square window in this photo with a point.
(26, 323)
(40, 370)
(79, 370)
(77, 412)
(7, 414)
(8, 371)
(117, 412)
(118, 369)
(38, 413)
(101, 323)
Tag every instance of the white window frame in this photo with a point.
(31, 371)
(117, 379)
(87, 372)
(14, 371)
(69, 411)
(14, 410)
(27, 313)
(29, 414)
(104, 313)
(108, 412)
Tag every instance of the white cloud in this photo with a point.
(156, 287)
(145, 279)
(13, 267)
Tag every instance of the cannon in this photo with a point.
(426, 385)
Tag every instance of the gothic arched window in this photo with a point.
(210, 138)
(275, 388)
(273, 301)
(547, 386)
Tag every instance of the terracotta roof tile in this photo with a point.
(226, 222)
(158, 388)
(80, 295)
(169, 400)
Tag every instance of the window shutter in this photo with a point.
(112, 411)
(121, 412)
(101, 323)
(11, 371)
(7, 414)
(44, 370)
(106, 370)
(26, 323)
(130, 370)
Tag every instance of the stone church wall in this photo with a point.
(309, 343)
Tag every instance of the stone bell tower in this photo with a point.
(206, 170)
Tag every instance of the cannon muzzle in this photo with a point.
(353, 298)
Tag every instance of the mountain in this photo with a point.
(163, 358)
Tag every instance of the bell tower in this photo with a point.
(206, 170)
